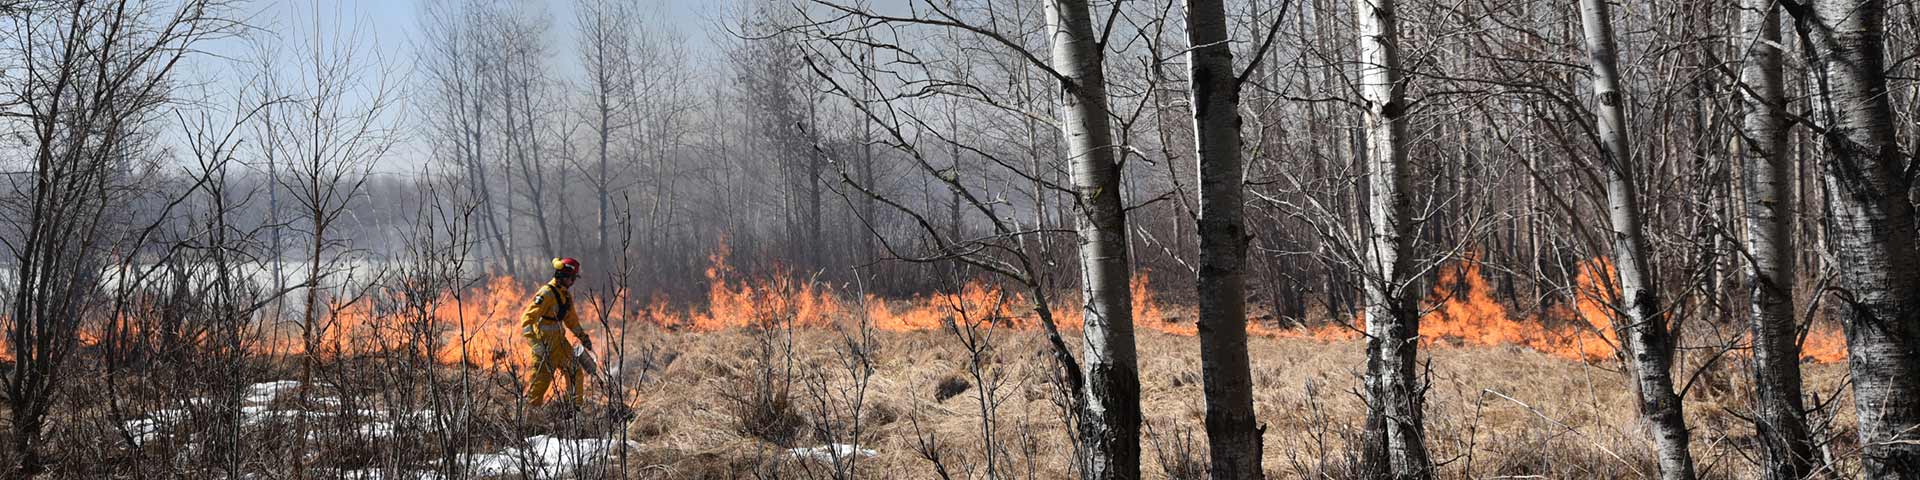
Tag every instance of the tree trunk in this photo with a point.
(1394, 445)
(535, 173)
(1110, 399)
(814, 257)
(1233, 433)
(953, 192)
(1870, 228)
(868, 210)
(602, 183)
(1787, 448)
(477, 177)
(1649, 345)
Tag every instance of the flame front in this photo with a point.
(480, 325)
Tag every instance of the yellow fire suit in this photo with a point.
(550, 310)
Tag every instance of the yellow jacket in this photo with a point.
(543, 316)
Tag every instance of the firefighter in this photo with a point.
(552, 309)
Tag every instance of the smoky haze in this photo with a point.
(1381, 239)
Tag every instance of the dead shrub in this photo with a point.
(765, 410)
(950, 386)
(1181, 457)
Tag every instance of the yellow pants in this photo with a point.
(550, 351)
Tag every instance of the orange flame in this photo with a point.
(1824, 346)
(1465, 312)
(480, 325)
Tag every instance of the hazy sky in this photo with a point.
(389, 29)
(393, 23)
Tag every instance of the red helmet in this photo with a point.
(566, 268)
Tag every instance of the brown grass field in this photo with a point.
(711, 405)
(718, 393)
(1492, 412)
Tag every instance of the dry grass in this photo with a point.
(1491, 411)
(708, 405)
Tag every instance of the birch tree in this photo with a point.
(1394, 444)
(453, 64)
(1786, 447)
(607, 36)
(1649, 345)
(1870, 226)
(1110, 427)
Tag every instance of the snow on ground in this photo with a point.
(256, 410)
(545, 457)
(378, 474)
(267, 392)
(154, 425)
(826, 453)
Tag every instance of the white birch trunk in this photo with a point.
(1110, 397)
(1394, 445)
(1648, 343)
(1786, 449)
(1870, 229)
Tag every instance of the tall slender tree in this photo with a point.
(607, 40)
(1110, 423)
(1394, 444)
(1649, 345)
(1787, 448)
(1870, 226)
(1233, 434)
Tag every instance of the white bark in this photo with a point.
(1870, 228)
(1649, 345)
(1110, 397)
(1786, 448)
(1394, 444)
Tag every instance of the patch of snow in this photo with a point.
(266, 392)
(379, 429)
(257, 415)
(423, 417)
(545, 456)
(377, 474)
(826, 453)
(384, 423)
(154, 425)
(492, 464)
(145, 430)
(171, 415)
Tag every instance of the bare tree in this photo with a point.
(1110, 429)
(520, 84)
(1233, 432)
(1870, 225)
(1648, 343)
(1395, 440)
(606, 44)
(454, 64)
(88, 76)
(337, 124)
(1787, 447)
